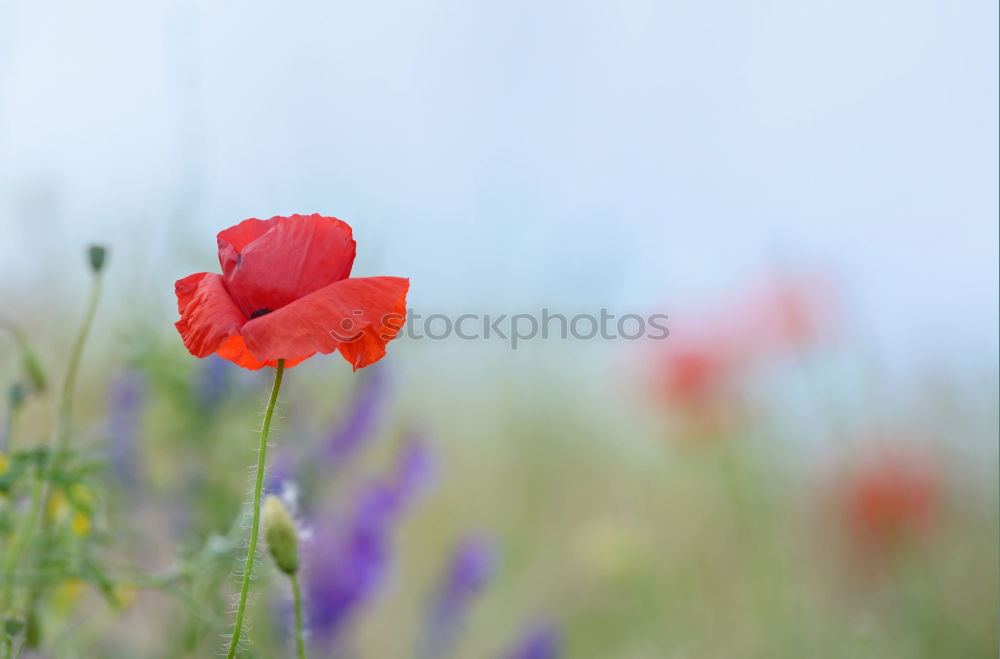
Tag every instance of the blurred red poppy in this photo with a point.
(695, 378)
(890, 498)
(285, 293)
(788, 312)
(695, 374)
(712, 349)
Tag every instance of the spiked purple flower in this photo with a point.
(539, 641)
(471, 566)
(361, 421)
(343, 570)
(126, 396)
(343, 567)
(414, 468)
(346, 438)
(283, 469)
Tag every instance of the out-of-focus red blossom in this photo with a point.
(788, 313)
(695, 371)
(890, 498)
(696, 374)
(285, 292)
(699, 365)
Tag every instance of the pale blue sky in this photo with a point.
(508, 155)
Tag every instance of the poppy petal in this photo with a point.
(356, 316)
(271, 264)
(235, 350)
(208, 315)
(244, 233)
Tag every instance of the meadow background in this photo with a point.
(807, 467)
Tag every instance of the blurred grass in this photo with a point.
(640, 546)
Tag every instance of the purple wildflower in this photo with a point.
(414, 468)
(345, 440)
(282, 470)
(471, 566)
(360, 422)
(539, 641)
(126, 396)
(343, 567)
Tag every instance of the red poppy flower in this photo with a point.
(285, 293)
(696, 377)
(891, 497)
(722, 345)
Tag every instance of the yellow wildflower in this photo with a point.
(80, 524)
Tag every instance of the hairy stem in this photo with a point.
(255, 525)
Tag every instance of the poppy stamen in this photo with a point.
(259, 313)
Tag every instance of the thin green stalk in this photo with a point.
(300, 639)
(20, 540)
(255, 525)
(64, 424)
(69, 383)
(40, 494)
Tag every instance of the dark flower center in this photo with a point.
(259, 313)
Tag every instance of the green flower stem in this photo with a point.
(300, 639)
(20, 540)
(64, 426)
(255, 525)
(40, 495)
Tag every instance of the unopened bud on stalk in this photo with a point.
(279, 533)
(98, 254)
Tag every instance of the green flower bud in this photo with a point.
(98, 254)
(279, 533)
